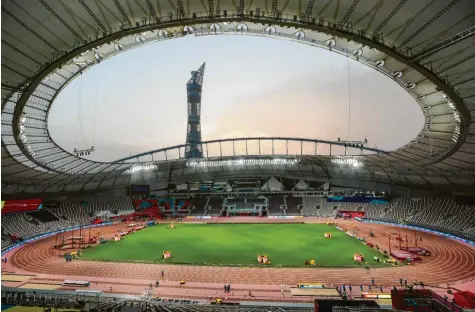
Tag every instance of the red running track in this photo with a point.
(452, 262)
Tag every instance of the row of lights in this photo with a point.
(330, 43)
(23, 137)
(145, 167)
(456, 135)
(242, 162)
(347, 162)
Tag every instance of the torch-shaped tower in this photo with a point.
(193, 131)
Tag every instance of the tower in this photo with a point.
(193, 131)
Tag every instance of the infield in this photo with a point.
(236, 244)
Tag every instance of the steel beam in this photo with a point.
(211, 8)
(444, 44)
(122, 12)
(274, 8)
(389, 17)
(181, 9)
(151, 10)
(350, 11)
(308, 11)
(94, 17)
(16, 19)
(430, 22)
(241, 8)
(60, 19)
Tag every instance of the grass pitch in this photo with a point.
(236, 244)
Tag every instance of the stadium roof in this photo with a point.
(425, 46)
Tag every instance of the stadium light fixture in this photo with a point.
(98, 56)
(140, 39)
(345, 161)
(118, 46)
(331, 43)
(142, 167)
(397, 74)
(457, 116)
(242, 162)
(380, 63)
(456, 134)
(358, 52)
(411, 86)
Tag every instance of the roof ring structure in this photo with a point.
(432, 59)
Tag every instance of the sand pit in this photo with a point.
(40, 286)
(16, 277)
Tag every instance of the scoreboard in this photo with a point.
(139, 190)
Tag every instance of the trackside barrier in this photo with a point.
(467, 241)
(31, 239)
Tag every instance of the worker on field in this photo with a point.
(157, 283)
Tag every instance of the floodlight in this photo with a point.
(411, 86)
(331, 43)
(357, 52)
(140, 39)
(397, 74)
(380, 63)
(98, 56)
(118, 46)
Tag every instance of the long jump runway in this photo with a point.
(452, 262)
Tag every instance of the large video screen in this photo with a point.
(139, 189)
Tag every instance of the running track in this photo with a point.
(452, 262)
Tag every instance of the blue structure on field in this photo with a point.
(194, 149)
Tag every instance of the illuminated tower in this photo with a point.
(193, 131)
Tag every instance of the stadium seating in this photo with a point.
(291, 203)
(199, 205)
(59, 300)
(441, 213)
(275, 204)
(215, 205)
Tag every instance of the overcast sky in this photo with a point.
(252, 87)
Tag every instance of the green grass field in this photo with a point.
(236, 244)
